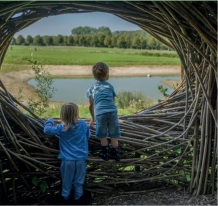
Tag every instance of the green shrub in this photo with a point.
(44, 90)
(163, 91)
(135, 100)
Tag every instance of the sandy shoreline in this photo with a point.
(18, 79)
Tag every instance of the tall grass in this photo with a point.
(54, 111)
(14, 67)
(136, 100)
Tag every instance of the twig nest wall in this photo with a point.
(173, 142)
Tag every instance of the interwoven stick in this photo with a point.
(153, 139)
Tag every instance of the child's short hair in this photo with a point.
(100, 70)
(69, 114)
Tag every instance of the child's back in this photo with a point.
(102, 92)
(73, 142)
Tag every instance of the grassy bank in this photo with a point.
(54, 111)
(62, 55)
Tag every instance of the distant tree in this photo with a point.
(82, 40)
(65, 40)
(136, 43)
(94, 40)
(48, 40)
(116, 33)
(88, 40)
(128, 42)
(101, 38)
(143, 43)
(70, 41)
(20, 40)
(83, 31)
(37, 40)
(55, 40)
(13, 41)
(107, 41)
(76, 40)
(114, 41)
(60, 39)
(89, 30)
(93, 37)
(164, 47)
(76, 31)
(104, 30)
(29, 40)
(153, 43)
(121, 42)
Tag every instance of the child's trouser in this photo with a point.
(73, 174)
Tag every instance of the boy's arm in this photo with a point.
(50, 129)
(88, 132)
(91, 110)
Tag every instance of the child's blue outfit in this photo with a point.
(102, 93)
(73, 145)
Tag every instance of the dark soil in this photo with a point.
(158, 197)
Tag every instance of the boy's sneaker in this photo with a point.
(80, 201)
(115, 153)
(66, 202)
(104, 154)
(85, 199)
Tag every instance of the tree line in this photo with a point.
(95, 37)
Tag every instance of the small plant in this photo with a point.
(128, 99)
(44, 89)
(20, 93)
(42, 183)
(163, 91)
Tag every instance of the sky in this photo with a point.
(63, 24)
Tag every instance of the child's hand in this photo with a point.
(91, 123)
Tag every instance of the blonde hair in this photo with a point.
(100, 70)
(69, 114)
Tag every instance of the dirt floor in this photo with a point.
(160, 195)
(18, 79)
(156, 196)
(166, 196)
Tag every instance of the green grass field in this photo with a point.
(63, 55)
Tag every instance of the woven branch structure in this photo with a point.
(171, 143)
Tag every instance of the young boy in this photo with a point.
(101, 98)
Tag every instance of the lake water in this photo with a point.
(74, 89)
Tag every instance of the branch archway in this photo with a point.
(183, 127)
